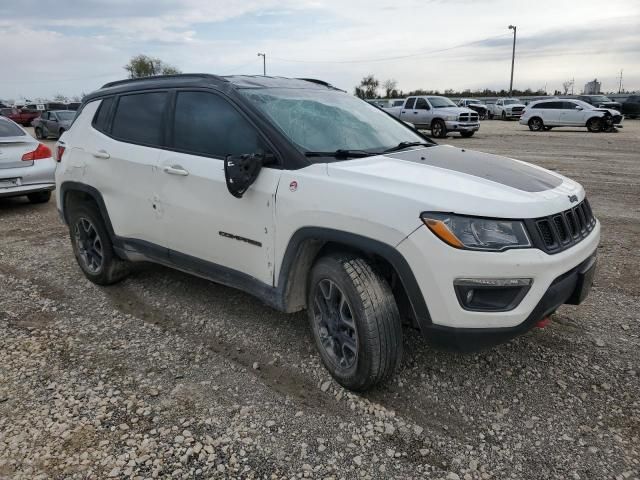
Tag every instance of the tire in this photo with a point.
(60, 132)
(503, 115)
(467, 134)
(491, 115)
(595, 124)
(93, 248)
(38, 131)
(438, 128)
(39, 197)
(347, 297)
(536, 124)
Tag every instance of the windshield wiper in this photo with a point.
(403, 145)
(340, 153)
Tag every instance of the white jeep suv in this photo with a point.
(310, 198)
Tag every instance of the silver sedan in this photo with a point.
(27, 166)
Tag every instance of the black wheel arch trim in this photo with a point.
(288, 294)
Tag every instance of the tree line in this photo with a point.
(371, 87)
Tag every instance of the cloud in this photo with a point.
(88, 42)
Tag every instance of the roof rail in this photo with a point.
(162, 77)
(315, 80)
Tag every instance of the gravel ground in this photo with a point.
(170, 376)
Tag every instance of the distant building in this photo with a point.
(592, 88)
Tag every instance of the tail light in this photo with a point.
(59, 152)
(39, 153)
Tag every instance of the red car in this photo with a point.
(23, 116)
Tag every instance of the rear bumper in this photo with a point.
(35, 178)
(569, 288)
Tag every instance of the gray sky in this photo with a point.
(75, 46)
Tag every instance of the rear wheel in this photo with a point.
(438, 128)
(536, 124)
(39, 197)
(467, 134)
(93, 248)
(595, 124)
(355, 321)
(38, 131)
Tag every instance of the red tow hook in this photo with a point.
(543, 323)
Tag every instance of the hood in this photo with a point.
(610, 110)
(453, 110)
(450, 179)
(511, 105)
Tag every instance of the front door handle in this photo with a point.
(101, 154)
(176, 170)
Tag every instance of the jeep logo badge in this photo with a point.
(573, 198)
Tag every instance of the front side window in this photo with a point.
(325, 120)
(207, 124)
(421, 104)
(511, 102)
(66, 115)
(138, 118)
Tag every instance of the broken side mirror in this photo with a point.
(240, 171)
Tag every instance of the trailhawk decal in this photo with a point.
(490, 167)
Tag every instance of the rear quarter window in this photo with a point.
(101, 118)
(10, 129)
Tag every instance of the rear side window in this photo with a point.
(207, 124)
(101, 118)
(10, 129)
(138, 118)
(410, 103)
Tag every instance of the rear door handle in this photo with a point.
(176, 170)
(101, 154)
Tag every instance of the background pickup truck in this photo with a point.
(438, 114)
(23, 117)
(506, 108)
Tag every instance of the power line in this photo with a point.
(396, 57)
(70, 79)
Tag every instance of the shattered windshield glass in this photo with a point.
(329, 120)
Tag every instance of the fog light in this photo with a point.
(491, 294)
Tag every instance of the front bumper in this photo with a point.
(35, 178)
(571, 287)
(456, 126)
(509, 114)
(436, 267)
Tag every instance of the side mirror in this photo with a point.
(241, 171)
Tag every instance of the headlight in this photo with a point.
(475, 233)
(451, 118)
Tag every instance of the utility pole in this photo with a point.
(264, 63)
(620, 84)
(573, 81)
(513, 57)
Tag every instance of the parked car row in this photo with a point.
(546, 114)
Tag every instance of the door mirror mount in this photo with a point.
(240, 171)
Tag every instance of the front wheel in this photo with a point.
(93, 248)
(438, 129)
(536, 124)
(354, 320)
(466, 134)
(595, 125)
(39, 135)
(491, 116)
(504, 115)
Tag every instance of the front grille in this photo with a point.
(517, 109)
(468, 117)
(558, 232)
(617, 119)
